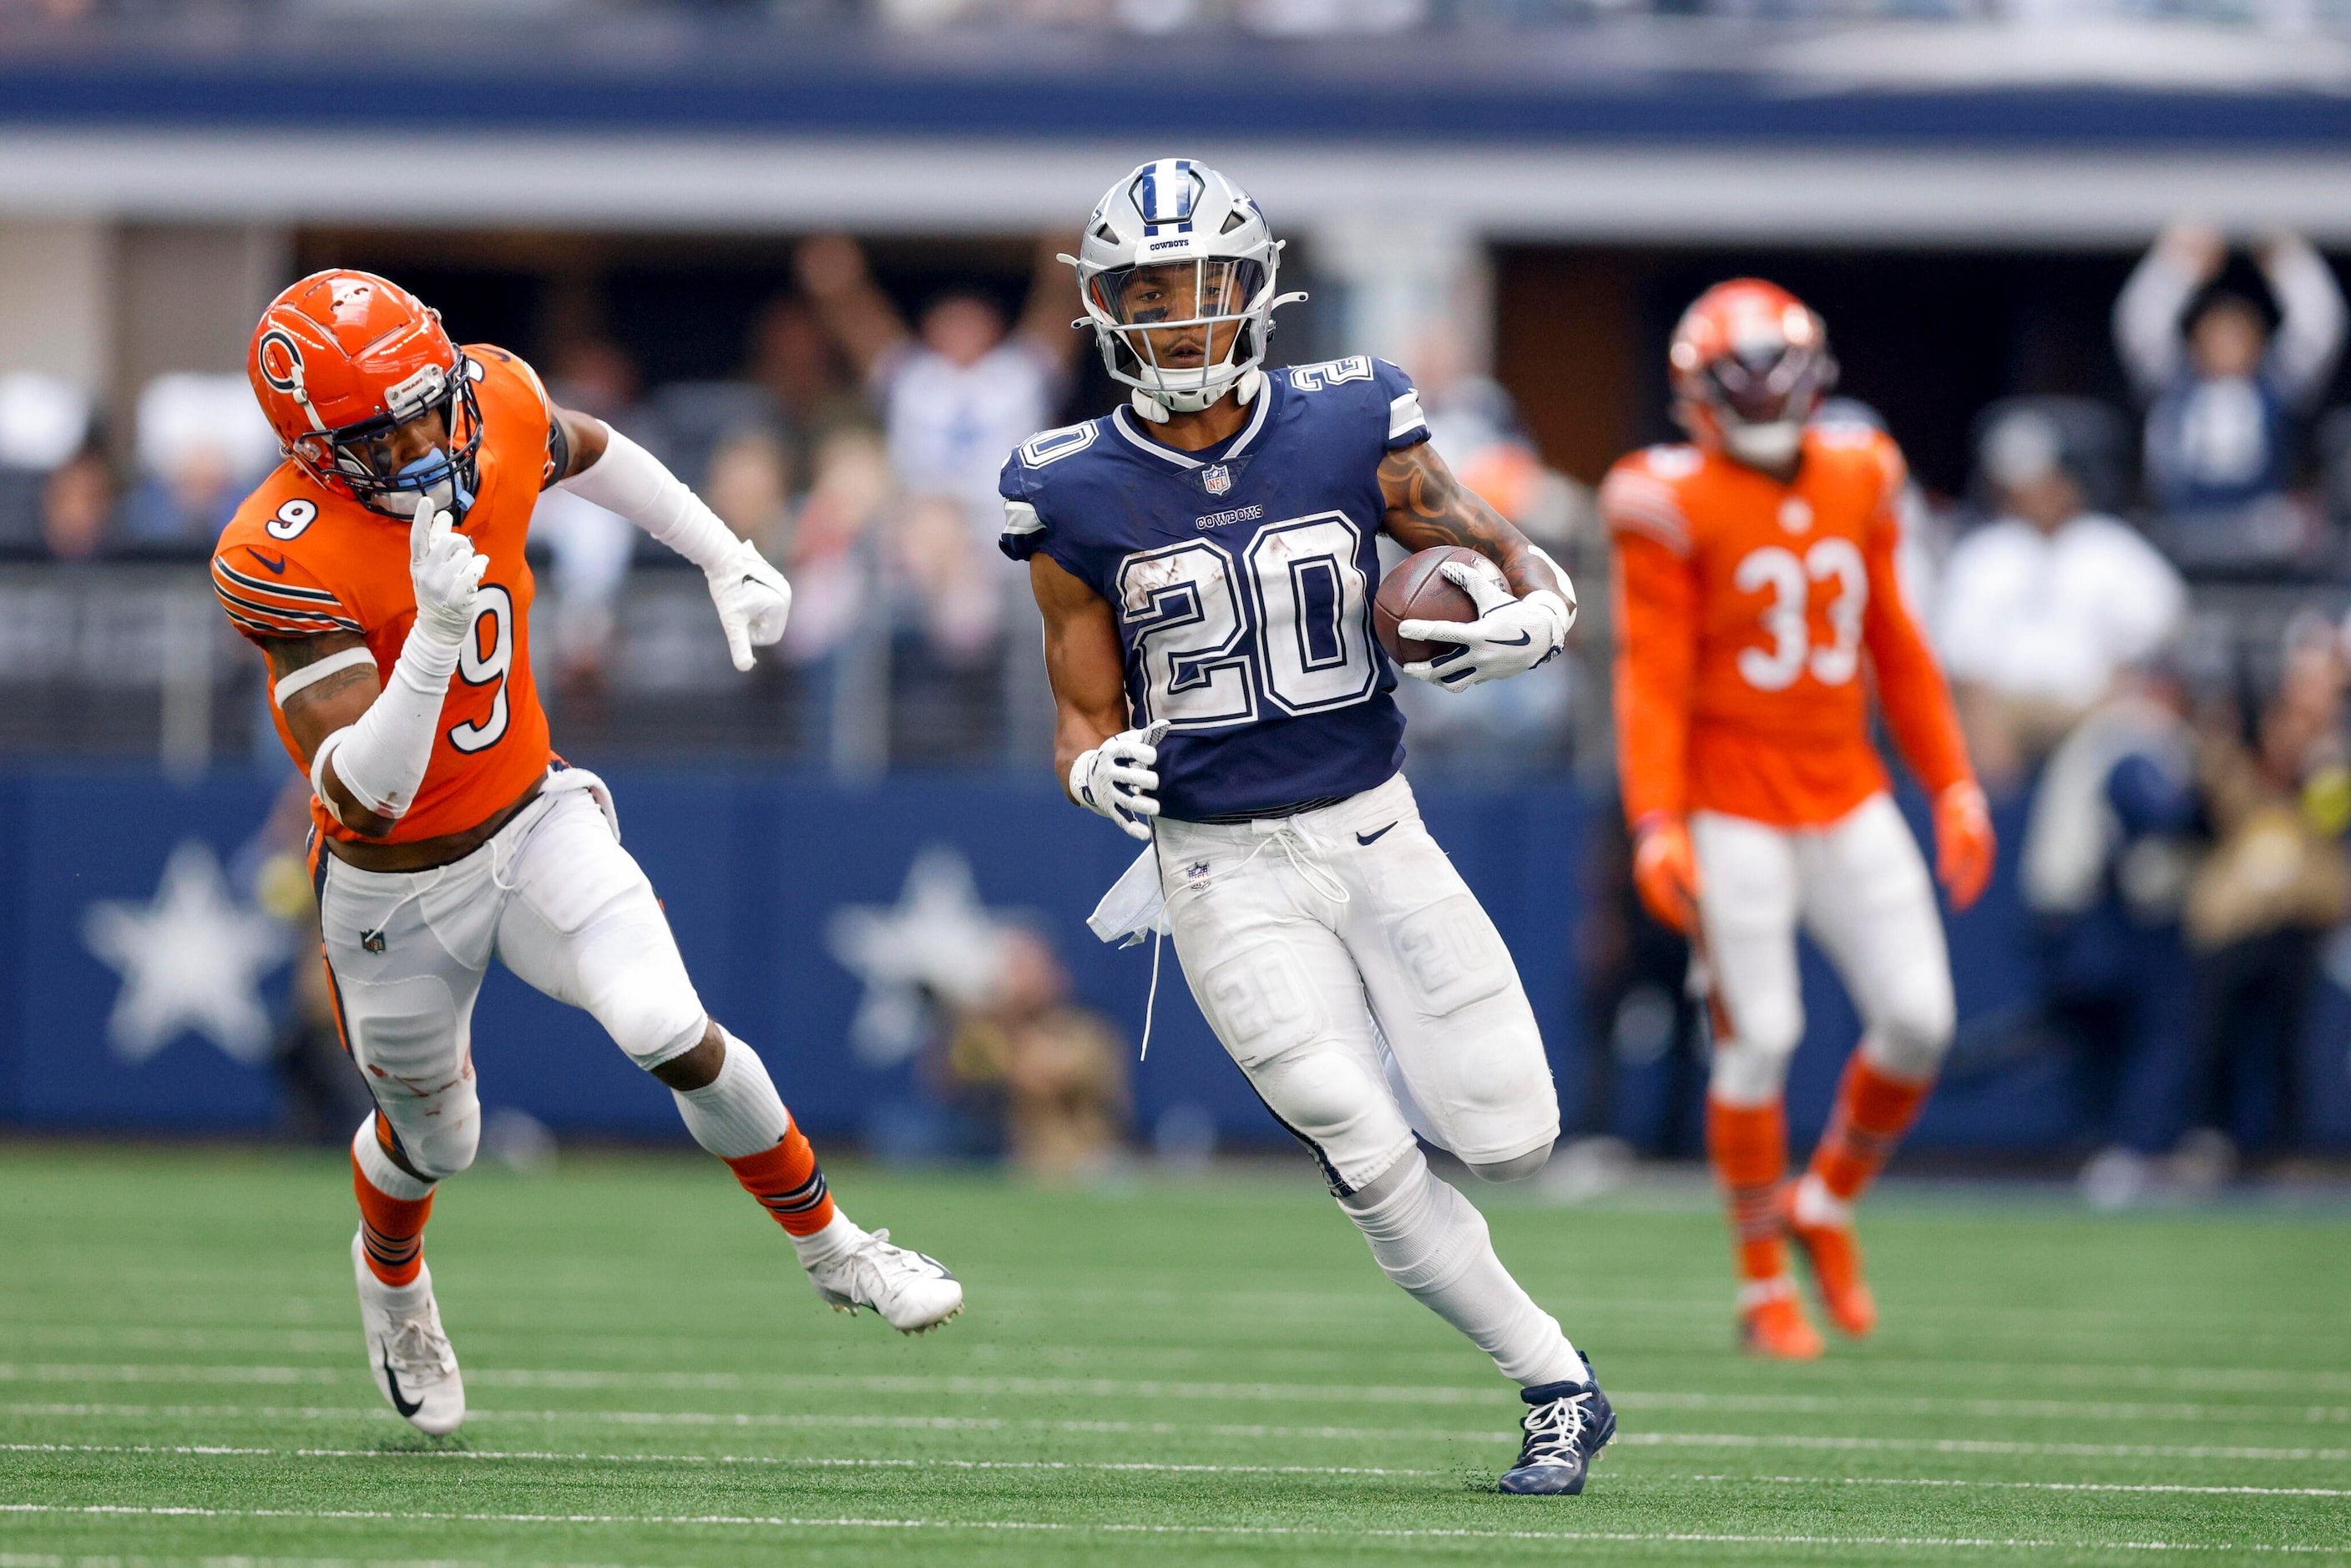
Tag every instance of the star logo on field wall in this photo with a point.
(191, 960)
(939, 938)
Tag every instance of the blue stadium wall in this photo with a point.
(751, 867)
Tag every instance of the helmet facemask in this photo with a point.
(1183, 333)
(353, 454)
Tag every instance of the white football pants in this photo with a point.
(1352, 974)
(554, 897)
(1861, 888)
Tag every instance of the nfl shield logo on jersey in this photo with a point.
(1218, 479)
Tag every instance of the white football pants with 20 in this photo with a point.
(1355, 979)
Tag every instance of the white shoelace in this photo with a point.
(418, 1351)
(890, 1264)
(1555, 1427)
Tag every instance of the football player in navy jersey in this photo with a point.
(1205, 560)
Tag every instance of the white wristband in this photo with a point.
(381, 758)
(631, 481)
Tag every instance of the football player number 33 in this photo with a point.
(1283, 624)
(1833, 565)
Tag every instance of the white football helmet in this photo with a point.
(1176, 245)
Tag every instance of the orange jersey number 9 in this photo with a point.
(476, 668)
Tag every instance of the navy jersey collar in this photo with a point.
(1237, 443)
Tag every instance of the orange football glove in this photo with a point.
(1963, 843)
(1665, 870)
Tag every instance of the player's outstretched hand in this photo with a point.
(753, 599)
(446, 572)
(1115, 780)
(1964, 846)
(1510, 636)
(1665, 870)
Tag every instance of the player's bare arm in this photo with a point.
(583, 437)
(1521, 622)
(332, 702)
(1104, 766)
(1083, 660)
(1427, 506)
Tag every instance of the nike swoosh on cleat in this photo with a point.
(277, 566)
(392, 1380)
(1374, 838)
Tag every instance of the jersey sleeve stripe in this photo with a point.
(1020, 517)
(1637, 502)
(275, 590)
(1672, 538)
(1404, 416)
(269, 627)
(300, 623)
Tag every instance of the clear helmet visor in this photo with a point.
(1183, 318)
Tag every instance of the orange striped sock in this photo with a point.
(788, 1183)
(1872, 1110)
(1748, 1147)
(391, 1229)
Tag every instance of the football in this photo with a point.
(1418, 590)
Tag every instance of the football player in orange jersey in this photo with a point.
(1756, 581)
(383, 558)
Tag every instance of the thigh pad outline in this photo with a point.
(1262, 1002)
(1452, 955)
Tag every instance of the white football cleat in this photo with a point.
(413, 1365)
(913, 1293)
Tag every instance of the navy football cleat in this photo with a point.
(1567, 1425)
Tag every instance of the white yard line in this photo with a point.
(2193, 1379)
(1158, 1388)
(768, 1419)
(826, 1461)
(785, 1521)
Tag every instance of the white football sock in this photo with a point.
(376, 1166)
(1430, 1240)
(738, 1112)
(842, 1234)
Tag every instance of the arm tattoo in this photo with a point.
(1427, 506)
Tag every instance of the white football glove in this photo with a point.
(1510, 636)
(1115, 780)
(447, 570)
(753, 599)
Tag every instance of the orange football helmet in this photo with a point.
(1749, 361)
(342, 359)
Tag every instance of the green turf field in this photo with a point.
(1203, 1372)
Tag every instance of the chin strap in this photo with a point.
(1249, 384)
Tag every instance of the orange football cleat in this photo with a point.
(1834, 1254)
(1772, 1325)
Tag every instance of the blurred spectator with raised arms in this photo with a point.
(2038, 609)
(2223, 390)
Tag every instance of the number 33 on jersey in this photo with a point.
(1747, 607)
(300, 562)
